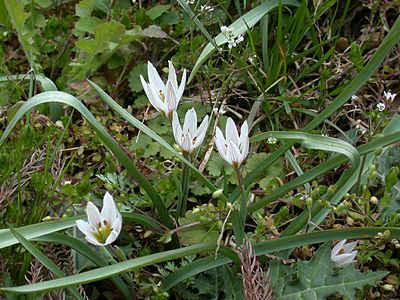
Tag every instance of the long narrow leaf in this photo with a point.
(61, 97)
(139, 125)
(240, 26)
(387, 44)
(313, 141)
(47, 86)
(283, 243)
(43, 260)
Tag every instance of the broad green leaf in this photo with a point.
(156, 11)
(61, 97)
(196, 234)
(87, 24)
(317, 279)
(84, 8)
(240, 26)
(112, 32)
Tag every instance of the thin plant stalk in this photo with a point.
(243, 202)
(185, 176)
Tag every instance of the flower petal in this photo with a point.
(344, 259)
(186, 144)
(85, 227)
(155, 79)
(181, 89)
(235, 154)
(93, 214)
(172, 75)
(220, 142)
(190, 124)
(201, 132)
(117, 226)
(231, 132)
(170, 99)
(244, 140)
(111, 237)
(153, 97)
(337, 248)
(109, 210)
(349, 247)
(176, 128)
(93, 240)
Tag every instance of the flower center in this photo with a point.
(341, 251)
(103, 231)
(162, 95)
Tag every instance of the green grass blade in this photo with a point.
(347, 181)
(108, 271)
(32, 231)
(139, 125)
(322, 169)
(193, 269)
(86, 251)
(61, 97)
(196, 20)
(48, 85)
(316, 142)
(43, 260)
(282, 243)
(375, 61)
(240, 26)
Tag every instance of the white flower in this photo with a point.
(272, 140)
(220, 111)
(354, 97)
(102, 228)
(342, 254)
(164, 97)
(230, 36)
(389, 96)
(233, 149)
(191, 136)
(190, 1)
(206, 8)
(381, 106)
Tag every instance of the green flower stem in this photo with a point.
(108, 252)
(243, 204)
(185, 176)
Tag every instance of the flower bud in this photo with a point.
(388, 287)
(218, 193)
(373, 200)
(378, 151)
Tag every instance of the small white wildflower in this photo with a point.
(206, 8)
(190, 136)
(230, 36)
(342, 254)
(272, 140)
(217, 111)
(234, 149)
(325, 134)
(389, 96)
(354, 98)
(190, 1)
(381, 107)
(102, 228)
